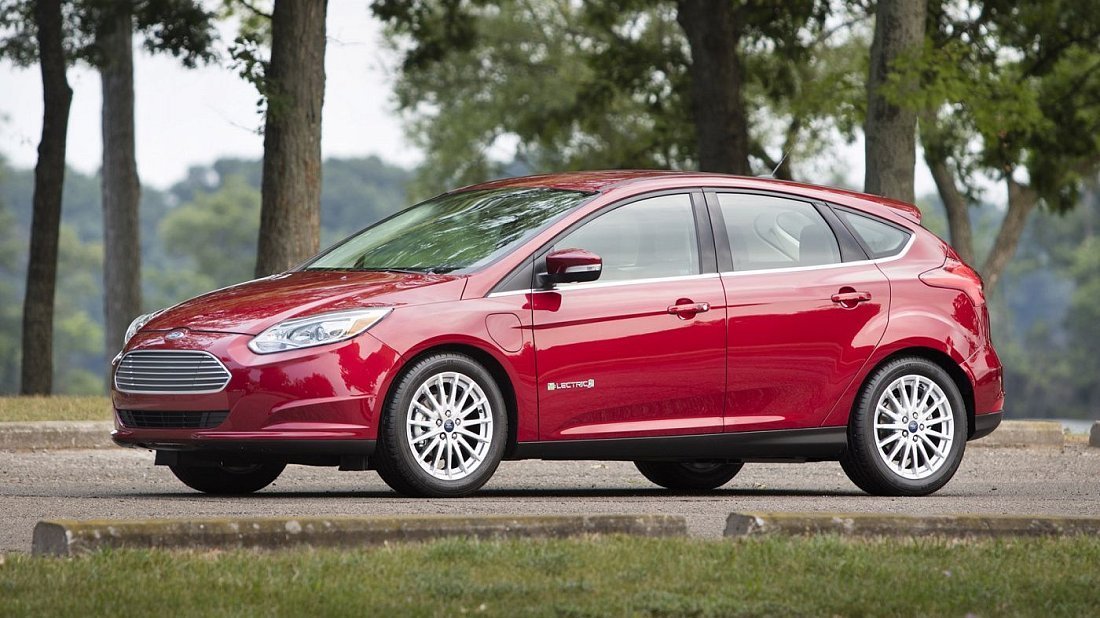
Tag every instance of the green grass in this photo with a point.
(609, 576)
(55, 408)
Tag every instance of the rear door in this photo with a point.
(806, 308)
(641, 351)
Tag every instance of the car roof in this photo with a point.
(605, 180)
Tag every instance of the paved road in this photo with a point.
(122, 483)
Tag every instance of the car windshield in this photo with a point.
(455, 231)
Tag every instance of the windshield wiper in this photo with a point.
(407, 271)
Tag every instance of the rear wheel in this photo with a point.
(688, 476)
(908, 431)
(444, 428)
(227, 479)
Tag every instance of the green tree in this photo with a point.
(568, 85)
(213, 238)
(890, 129)
(181, 28)
(11, 247)
(38, 33)
(1009, 91)
(99, 33)
(79, 342)
(293, 84)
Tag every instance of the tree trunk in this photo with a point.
(119, 184)
(290, 216)
(718, 104)
(49, 176)
(956, 205)
(1021, 201)
(890, 130)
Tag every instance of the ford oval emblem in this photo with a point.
(174, 335)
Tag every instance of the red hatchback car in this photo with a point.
(686, 322)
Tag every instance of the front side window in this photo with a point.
(455, 231)
(650, 238)
(768, 232)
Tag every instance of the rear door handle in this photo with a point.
(687, 309)
(851, 298)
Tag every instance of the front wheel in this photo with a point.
(688, 476)
(228, 480)
(444, 428)
(908, 431)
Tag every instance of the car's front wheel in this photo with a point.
(908, 431)
(444, 428)
(688, 476)
(228, 479)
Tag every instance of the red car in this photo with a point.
(686, 322)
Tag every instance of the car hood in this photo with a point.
(250, 307)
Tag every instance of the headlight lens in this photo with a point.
(139, 323)
(316, 330)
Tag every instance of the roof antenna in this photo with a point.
(778, 165)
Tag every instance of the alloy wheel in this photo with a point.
(914, 427)
(450, 426)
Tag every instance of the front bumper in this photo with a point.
(323, 400)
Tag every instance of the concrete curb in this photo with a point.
(55, 435)
(1094, 434)
(68, 537)
(1024, 433)
(886, 525)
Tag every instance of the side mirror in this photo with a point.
(571, 266)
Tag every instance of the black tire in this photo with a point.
(688, 476)
(865, 465)
(398, 465)
(228, 480)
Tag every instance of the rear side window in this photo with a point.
(650, 238)
(880, 238)
(769, 232)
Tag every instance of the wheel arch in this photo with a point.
(944, 361)
(483, 357)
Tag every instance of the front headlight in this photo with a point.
(316, 330)
(139, 323)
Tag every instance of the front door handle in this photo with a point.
(848, 297)
(685, 309)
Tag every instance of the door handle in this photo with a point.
(850, 298)
(686, 309)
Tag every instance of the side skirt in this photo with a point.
(796, 445)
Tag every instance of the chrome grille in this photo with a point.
(170, 371)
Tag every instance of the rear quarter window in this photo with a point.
(881, 239)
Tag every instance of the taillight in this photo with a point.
(955, 275)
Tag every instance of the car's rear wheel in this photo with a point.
(444, 428)
(908, 431)
(688, 476)
(228, 479)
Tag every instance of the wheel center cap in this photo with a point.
(449, 425)
(912, 426)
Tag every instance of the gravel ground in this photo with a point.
(123, 483)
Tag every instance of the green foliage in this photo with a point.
(183, 29)
(816, 576)
(561, 85)
(79, 361)
(197, 236)
(1011, 88)
(11, 249)
(214, 236)
(1083, 326)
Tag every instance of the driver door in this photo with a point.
(640, 351)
